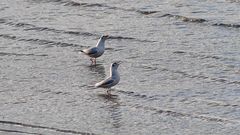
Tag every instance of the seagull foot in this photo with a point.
(109, 92)
(92, 60)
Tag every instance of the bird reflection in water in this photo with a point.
(113, 107)
(99, 69)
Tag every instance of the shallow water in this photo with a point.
(180, 71)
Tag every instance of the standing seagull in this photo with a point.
(97, 51)
(112, 80)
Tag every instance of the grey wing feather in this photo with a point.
(105, 83)
(108, 82)
(91, 51)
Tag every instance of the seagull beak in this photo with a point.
(119, 62)
(106, 36)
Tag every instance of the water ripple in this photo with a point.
(19, 54)
(146, 12)
(16, 131)
(31, 27)
(72, 3)
(202, 56)
(200, 20)
(233, 1)
(227, 25)
(214, 79)
(172, 112)
(40, 41)
(185, 19)
(45, 127)
(181, 114)
(143, 12)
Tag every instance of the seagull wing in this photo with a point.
(90, 51)
(105, 83)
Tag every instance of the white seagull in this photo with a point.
(112, 80)
(95, 52)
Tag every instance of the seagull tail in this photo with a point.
(81, 51)
(97, 84)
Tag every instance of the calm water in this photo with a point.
(180, 73)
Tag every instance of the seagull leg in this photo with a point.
(92, 60)
(109, 92)
(95, 61)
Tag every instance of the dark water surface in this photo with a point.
(180, 73)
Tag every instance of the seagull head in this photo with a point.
(104, 37)
(115, 65)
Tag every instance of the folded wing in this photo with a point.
(91, 51)
(105, 83)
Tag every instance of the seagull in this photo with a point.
(112, 80)
(97, 51)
